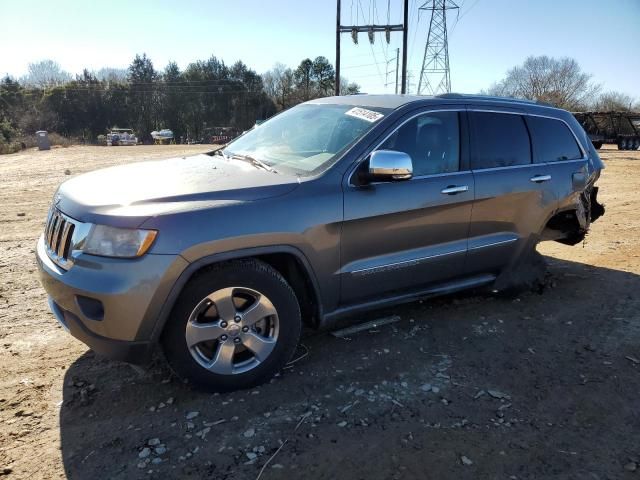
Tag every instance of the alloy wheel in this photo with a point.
(232, 330)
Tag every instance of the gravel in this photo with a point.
(144, 453)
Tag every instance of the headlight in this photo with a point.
(118, 242)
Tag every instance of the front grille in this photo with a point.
(57, 236)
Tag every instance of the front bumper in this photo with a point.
(111, 305)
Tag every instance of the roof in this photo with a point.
(380, 101)
(395, 101)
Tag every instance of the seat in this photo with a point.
(432, 153)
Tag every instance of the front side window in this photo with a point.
(431, 140)
(306, 138)
(499, 140)
(552, 140)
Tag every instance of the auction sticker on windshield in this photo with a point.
(364, 114)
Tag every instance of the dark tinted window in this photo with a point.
(552, 140)
(432, 141)
(499, 140)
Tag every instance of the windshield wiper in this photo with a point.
(253, 161)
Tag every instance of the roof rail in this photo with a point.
(494, 97)
(452, 95)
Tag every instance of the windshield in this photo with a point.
(306, 138)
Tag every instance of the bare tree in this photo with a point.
(45, 73)
(110, 74)
(560, 82)
(347, 87)
(615, 101)
(279, 84)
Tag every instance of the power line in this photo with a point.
(415, 29)
(470, 8)
(371, 30)
(359, 66)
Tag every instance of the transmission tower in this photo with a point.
(434, 76)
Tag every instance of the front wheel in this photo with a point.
(234, 326)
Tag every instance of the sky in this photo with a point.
(486, 37)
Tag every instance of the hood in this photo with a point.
(127, 195)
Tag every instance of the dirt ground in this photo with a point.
(545, 385)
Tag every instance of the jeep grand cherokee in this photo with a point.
(332, 207)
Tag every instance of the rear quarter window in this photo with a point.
(552, 140)
(498, 140)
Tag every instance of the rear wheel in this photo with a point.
(234, 326)
(597, 145)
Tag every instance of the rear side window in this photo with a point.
(499, 140)
(552, 140)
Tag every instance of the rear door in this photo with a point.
(404, 235)
(513, 194)
(555, 145)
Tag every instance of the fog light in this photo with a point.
(90, 307)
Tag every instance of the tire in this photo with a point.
(597, 145)
(622, 144)
(234, 326)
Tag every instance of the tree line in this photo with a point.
(191, 102)
(208, 94)
(562, 83)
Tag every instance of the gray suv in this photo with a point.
(333, 207)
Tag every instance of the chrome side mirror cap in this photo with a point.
(385, 165)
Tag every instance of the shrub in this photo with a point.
(29, 141)
(9, 147)
(56, 139)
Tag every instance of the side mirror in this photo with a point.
(385, 165)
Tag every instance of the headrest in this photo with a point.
(432, 134)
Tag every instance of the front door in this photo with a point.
(405, 235)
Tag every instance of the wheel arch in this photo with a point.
(289, 261)
(570, 225)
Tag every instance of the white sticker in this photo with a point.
(364, 114)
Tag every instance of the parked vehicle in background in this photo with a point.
(121, 136)
(333, 207)
(163, 136)
(618, 128)
(220, 135)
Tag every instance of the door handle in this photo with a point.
(540, 178)
(454, 189)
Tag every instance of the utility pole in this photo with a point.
(410, 82)
(338, 50)
(435, 75)
(397, 69)
(405, 38)
(371, 30)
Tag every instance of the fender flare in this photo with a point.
(207, 260)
